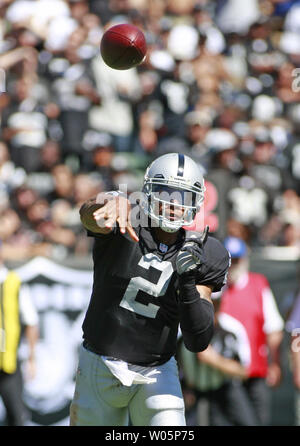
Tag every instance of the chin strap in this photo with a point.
(204, 235)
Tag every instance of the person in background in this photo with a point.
(293, 327)
(249, 299)
(215, 376)
(16, 312)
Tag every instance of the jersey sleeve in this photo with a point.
(272, 318)
(213, 271)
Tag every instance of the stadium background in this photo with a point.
(220, 83)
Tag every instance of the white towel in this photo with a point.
(134, 375)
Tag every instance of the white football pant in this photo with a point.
(100, 399)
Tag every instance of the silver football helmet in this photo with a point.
(173, 191)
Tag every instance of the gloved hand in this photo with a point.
(191, 254)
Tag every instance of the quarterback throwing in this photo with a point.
(150, 277)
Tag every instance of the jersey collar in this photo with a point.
(147, 238)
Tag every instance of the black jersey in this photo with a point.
(133, 311)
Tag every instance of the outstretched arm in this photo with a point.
(101, 213)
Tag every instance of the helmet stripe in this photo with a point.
(180, 165)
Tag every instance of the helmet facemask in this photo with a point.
(172, 204)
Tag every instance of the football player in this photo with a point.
(150, 276)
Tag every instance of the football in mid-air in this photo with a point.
(123, 46)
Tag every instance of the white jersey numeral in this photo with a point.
(154, 289)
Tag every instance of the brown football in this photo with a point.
(123, 46)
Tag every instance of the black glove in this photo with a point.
(192, 253)
(196, 314)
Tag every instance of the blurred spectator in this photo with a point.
(74, 91)
(223, 172)
(293, 328)
(266, 178)
(215, 376)
(23, 198)
(149, 122)
(229, 10)
(24, 125)
(50, 156)
(10, 176)
(211, 69)
(49, 19)
(198, 123)
(86, 186)
(118, 91)
(63, 179)
(10, 223)
(38, 212)
(99, 152)
(249, 299)
(17, 312)
(283, 227)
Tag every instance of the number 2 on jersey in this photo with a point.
(154, 289)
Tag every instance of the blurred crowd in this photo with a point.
(221, 83)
